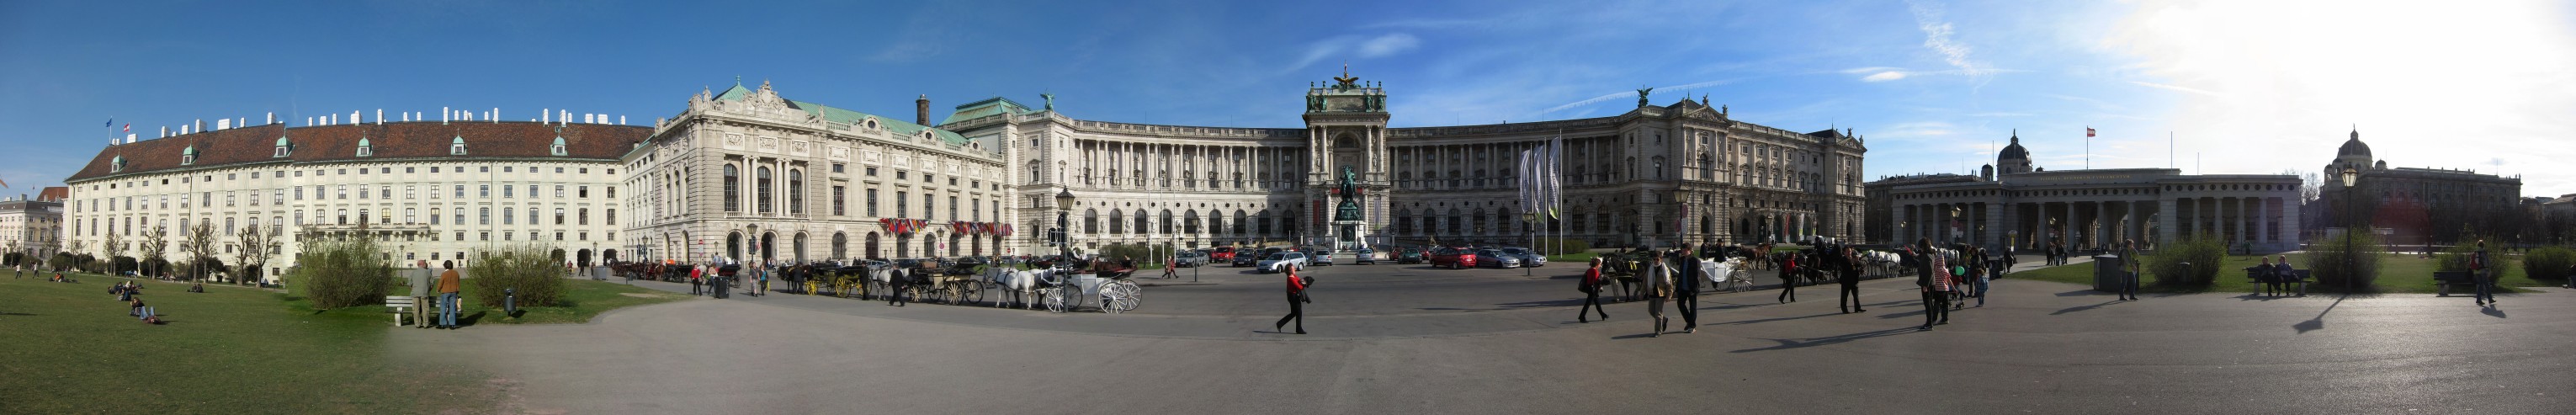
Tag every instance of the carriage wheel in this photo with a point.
(1121, 297)
(1053, 297)
(973, 291)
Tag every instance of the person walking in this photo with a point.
(1171, 267)
(1659, 287)
(1980, 271)
(2480, 267)
(2129, 287)
(1591, 287)
(1296, 301)
(902, 281)
(448, 285)
(697, 280)
(1788, 279)
(1928, 276)
(1849, 275)
(1687, 296)
(760, 286)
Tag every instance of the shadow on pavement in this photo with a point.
(2319, 323)
(1513, 306)
(2085, 307)
(2492, 311)
(1767, 320)
(2080, 293)
(1786, 344)
(1633, 336)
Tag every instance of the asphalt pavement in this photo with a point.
(1403, 339)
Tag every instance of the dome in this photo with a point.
(2014, 151)
(2354, 147)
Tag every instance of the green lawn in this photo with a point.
(70, 348)
(584, 299)
(2397, 274)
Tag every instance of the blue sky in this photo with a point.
(2248, 87)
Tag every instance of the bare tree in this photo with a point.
(155, 243)
(13, 251)
(252, 257)
(199, 243)
(2310, 186)
(115, 247)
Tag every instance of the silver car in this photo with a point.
(1528, 258)
(1496, 258)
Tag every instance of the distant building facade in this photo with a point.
(2419, 205)
(2026, 206)
(33, 226)
(432, 191)
(1653, 176)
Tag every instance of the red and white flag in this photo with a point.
(2088, 132)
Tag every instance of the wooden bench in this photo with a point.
(2299, 277)
(2445, 279)
(400, 306)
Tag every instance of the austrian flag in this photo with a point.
(2088, 132)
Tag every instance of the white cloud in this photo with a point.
(1389, 44)
(2176, 88)
(1884, 76)
(1936, 35)
(1633, 94)
(2269, 84)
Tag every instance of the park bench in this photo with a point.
(2445, 279)
(400, 306)
(2299, 277)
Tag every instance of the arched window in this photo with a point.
(732, 188)
(1143, 222)
(1090, 221)
(796, 193)
(1117, 222)
(760, 189)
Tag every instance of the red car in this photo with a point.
(1453, 258)
(1222, 254)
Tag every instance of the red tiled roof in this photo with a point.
(54, 194)
(388, 141)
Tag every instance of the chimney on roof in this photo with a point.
(165, 132)
(201, 125)
(272, 117)
(380, 116)
(223, 123)
(563, 117)
(129, 138)
(444, 113)
(621, 120)
(355, 119)
(921, 110)
(546, 115)
(496, 115)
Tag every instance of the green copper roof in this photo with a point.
(843, 116)
(985, 108)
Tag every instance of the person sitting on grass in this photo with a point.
(135, 307)
(198, 288)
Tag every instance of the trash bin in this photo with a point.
(599, 273)
(2110, 273)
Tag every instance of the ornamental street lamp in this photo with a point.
(1063, 222)
(2349, 262)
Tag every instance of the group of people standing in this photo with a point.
(1948, 279)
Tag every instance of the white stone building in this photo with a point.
(747, 174)
(433, 191)
(32, 227)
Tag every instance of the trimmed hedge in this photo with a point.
(2190, 263)
(530, 269)
(2334, 266)
(2549, 263)
(338, 273)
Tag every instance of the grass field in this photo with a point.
(70, 348)
(583, 300)
(2398, 273)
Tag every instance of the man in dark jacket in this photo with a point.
(1848, 273)
(1688, 291)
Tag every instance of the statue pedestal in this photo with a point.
(1348, 234)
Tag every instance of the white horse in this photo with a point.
(1729, 275)
(1019, 285)
(1882, 262)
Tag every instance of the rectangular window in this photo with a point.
(559, 191)
(460, 220)
(532, 215)
(836, 202)
(559, 215)
(836, 167)
(486, 219)
(901, 210)
(509, 216)
(952, 208)
(433, 216)
(509, 191)
(872, 203)
(612, 192)
(584, 192)
(532, 189)
(872, 172)
(612, 217)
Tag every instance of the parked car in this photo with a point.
(1190, 259)
(1245, 258)
(1322, 257)
(1222, 254)
(1528, 258)
(1453, 258)
(1496, 258)
(1410, 256)
(1364, 256)
(1276, 261)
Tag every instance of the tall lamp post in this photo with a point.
(2350, 175)
(1064, 223)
